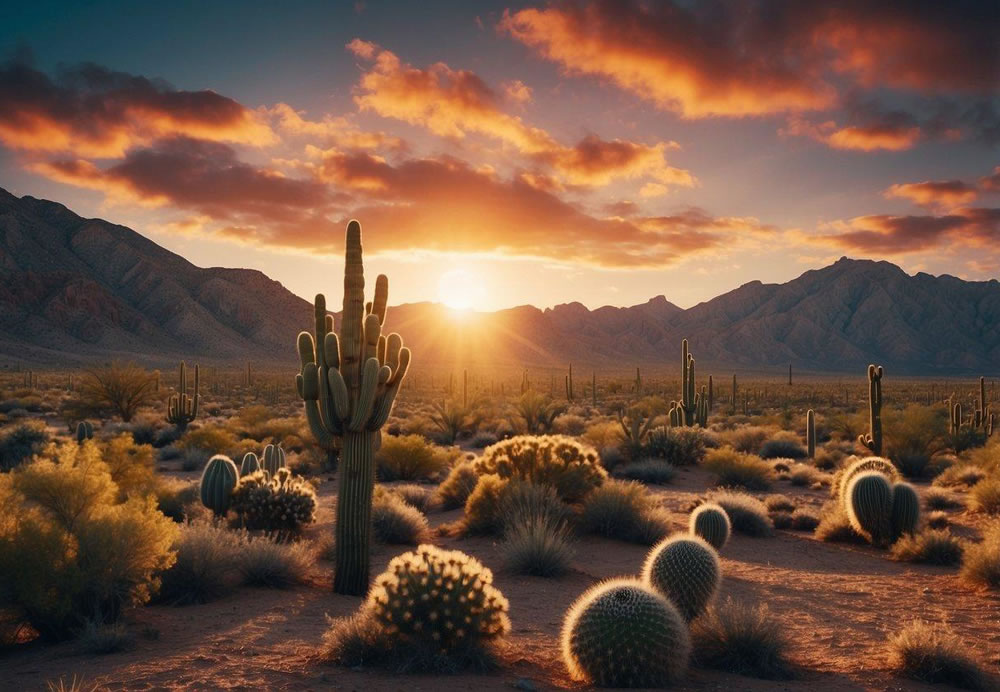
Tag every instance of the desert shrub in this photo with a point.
(623, 510)
(101, 639)
(569, 467)
(936, 498)
(603, 435)
(743, 639)
(21, 441)
(173, 497)
(409, 458)
(784, 445)
(929, 547)
(937, 520)
(985, 496)
(537, 547)
(523, 502)
(960, 475)
(208, 559)
(534, 413)
(620, 633)
(835, 527)
(649, 471)
(131, 465)
(747, 514)
(193, 459)
(912, 436)
(804, 520)
(747, 438)
(280, 505)
(781, 520)
(457, 486)
(210, 439)
(262, 562)
(482, 508)
(70, 553)
(166, 436)
(779, 503)
(802, 475)
(120, 389)
(982, 560)
(738, 470)
(454, 418)
(482, 439)
(397, 523)
(677, 446)
(432, 610)
(932, 653)
(417, 496)
(826, 460)
(612, 458)
(569, 424)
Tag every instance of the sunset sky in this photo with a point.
(510, 153)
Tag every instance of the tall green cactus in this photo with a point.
(181, 407)
(693, 406)
(349, 382)
(733, 411)
(983, 417)
(873, 440)
(811, 433)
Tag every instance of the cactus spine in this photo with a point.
(181, 407)
(349, 382)
(685, 569)
(710, 522)
(873, 440)
(218, 481)
(811, 433)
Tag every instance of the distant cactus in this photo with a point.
(84, 431)
(685, 569)
(349, 383)
(181, 407)
(620, 633)
(442, 598)
(693, 406)
(811, 433)
(272, 459)
(873, 440)
(905, 509)
(218, 481)
(868, 501)
(250, 464)
(710, 522)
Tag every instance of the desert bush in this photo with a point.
(937, 520)
(120, 389)
(262, 562)
(677, 446)
(781, 520)
(737, 469)
(211, 439)
(395, 522)
(835, 527)
(208, 559)
(536, 547)
(417, 496)
(409, 458)
(826, 460)
(457, 486)
(936, 498)
(569, 467)
(523, 502)
(131, 465)
(985, 496)
(981, 564)
(482, 439)
(569, 424)
(482, 508)
(603, 435)
(623, 510)
(101, 639)
(193, 459)
(804, 520)
(784, 445)
(70, 553)
(746, 438)
(432, 610)
(534, 413)
(802, 475)
(174, 497)
(279, 506)
(747, 514)
(960, 475)
(929, 547)
(649, 471)
(20, 442)
(452, 419)
(932, 653)
(740, 638)
(620, 633)
(779, 503)
(912, 436)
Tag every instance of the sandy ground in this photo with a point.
(837, 602)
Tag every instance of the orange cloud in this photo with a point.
(897, 235)
(891, 134)
(991, 182)
(93, 112)
(455, 103)
(935, 193)
(338, 131)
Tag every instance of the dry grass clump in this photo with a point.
(537, 548)
(457, 486)
(937, 520)
(835, 527)
(747, 514)
(738, 470)
(779, 503)
(409, 458)
(932, 653)
(960, 475)
(624, 510)
(929, 547)
(741, 638)
(676, 446)
(418, 496)
(747, 438)
(20, 442)
(208, 559)
(784, 445)
(395, 522)
(938, 498)
(981, 565)
(985, 496)
(649, 471)
(263, 562)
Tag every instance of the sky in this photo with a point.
(500, 154)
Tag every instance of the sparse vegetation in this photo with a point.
(932, 653)
(743, 639)
(734, 469)
(931, 547)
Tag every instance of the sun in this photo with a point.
(461, 290)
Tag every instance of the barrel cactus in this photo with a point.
(868, 501)
(905, 509)
(620, 633)
(844, 476)
(273, 459)
(686, 570)
(84, 431)
(710, 522)
(349, 383)
(218, 481)
(250, 464)
(439, 598)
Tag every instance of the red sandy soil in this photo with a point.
(837, 602)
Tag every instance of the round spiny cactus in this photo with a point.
(685, 569)
(905, 509)
(281, 504)
(250, 464)
(844, 476)
(868, 501)
(620, 633)
(84, 431)
(273, 459)
(442, 598)
(710, 521)
(217, 483)
(558, 461)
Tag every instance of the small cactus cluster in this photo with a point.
(279, 504)
(693, 407)
(685, 569)
(620, 633)
(561, 462)
(879, 507)
(981, 419)
(873, 440)
(441, 598)
(182, 408)
(84, 431)
(710, 522)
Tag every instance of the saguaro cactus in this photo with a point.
(873, 440)
(182, 408)
(811, 433)
(349, 382)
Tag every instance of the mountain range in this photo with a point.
(78, 291)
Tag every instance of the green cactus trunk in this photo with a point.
(354, 513)
(811, 433)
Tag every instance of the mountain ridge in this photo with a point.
(78, 291)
